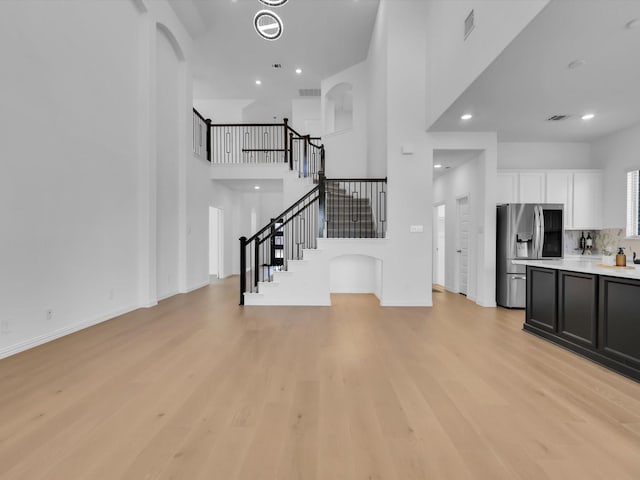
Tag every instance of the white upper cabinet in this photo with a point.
(507, 188)
(560, 190)
(580, 191)
(531, 187)
(587, 200)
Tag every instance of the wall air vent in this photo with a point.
(557, 118)
(469, 24)
(309, 92)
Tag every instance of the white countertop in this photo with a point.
(585, 265)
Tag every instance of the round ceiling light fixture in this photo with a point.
(268, 25)
(466, 116)
(273, 3)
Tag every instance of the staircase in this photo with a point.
(348, 215)
(281, 264)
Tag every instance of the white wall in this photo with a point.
(551, 155)
(616, 154)
(306, 117)
(69, 167)
(79, 179)
(377, 97)
(221, 110)
(407, 277)
(454, 63)
(355, 274)
(346, 150)
(167, 194)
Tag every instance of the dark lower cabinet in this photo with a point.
(620, 320)
(595, 316)
(542, 300)
(578, 307)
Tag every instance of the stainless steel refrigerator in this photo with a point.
(525, 231)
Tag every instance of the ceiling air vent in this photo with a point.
(309, 92)
(469, 24)
(557, 118)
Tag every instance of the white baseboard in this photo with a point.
(405, 304)
(197, 286)
(47, 337)
(487, 304)
(170, 294)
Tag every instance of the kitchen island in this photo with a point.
(590, 309)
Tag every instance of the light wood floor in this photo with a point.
(199, 388)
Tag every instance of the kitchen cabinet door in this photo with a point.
(578, 307)
(531, 187)
(587, 200)
(507, 188)
(619, 323)
(542, 298)
(560, 190)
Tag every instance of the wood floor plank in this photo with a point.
(200, 388)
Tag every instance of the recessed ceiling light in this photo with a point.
(298, 71)
(466, 116)
(576, 64)
(258, 82)
(437, 165)
(588, 116)
(635, 23)
(256, 187)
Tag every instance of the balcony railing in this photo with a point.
(266, 143)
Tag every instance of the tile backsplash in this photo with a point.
(605, 239)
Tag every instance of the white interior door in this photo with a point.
(441, 246)
(438, 245)
(464, 227)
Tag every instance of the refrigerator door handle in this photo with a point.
(541, 213)
(535, 232)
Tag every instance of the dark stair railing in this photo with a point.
(335, 208)
(266, 143)
(356, 207)
(279, 242)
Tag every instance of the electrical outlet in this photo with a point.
(5, 327)
(49, 313)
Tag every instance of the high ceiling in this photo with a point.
(322, 37)
(531, 80)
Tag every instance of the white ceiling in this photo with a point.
(322, 37)
(530, 81)
(450, 159)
